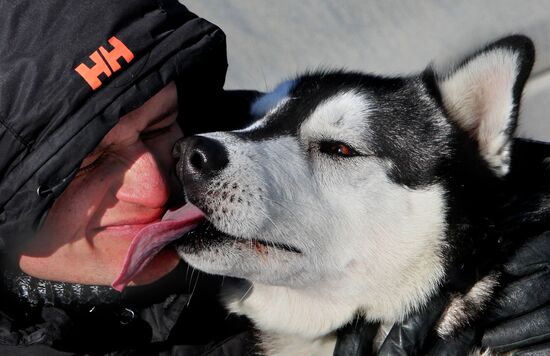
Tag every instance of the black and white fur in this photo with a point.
(322, 237)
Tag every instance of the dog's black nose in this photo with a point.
(199, 158)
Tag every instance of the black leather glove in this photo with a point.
(520, 319)
(404, 339)
(416, 336)
(518, 322)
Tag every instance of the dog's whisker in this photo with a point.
(243, 297)
(187, 271)
(280, 202)
(274, 247)
(272, 222)
(292, 215)
(193, 290)
(191, 278)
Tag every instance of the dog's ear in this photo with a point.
(482, 96)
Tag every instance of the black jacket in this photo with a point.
(183, 318)
(68, 71)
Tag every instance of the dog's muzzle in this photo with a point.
(200, 159)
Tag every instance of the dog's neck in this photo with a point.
(317, 311)
(286, 310)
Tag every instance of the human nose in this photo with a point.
(144, 182)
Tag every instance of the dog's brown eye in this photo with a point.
(337, 149)
(342, 150)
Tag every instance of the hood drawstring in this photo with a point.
(58, 187)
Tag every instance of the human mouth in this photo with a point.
(125, 231)
(149, 239)
(130, 227)
(136, 221)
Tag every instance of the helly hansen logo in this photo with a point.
(106, 62)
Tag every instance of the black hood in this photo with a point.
(52, 115)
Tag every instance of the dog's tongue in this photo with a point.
(153, 237)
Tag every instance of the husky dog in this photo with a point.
(356, 195)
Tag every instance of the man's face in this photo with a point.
(121, 187)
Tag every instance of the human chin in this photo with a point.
(94, 257)
(114, 243)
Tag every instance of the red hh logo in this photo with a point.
(105, 62)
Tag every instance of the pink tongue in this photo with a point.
(153, 237)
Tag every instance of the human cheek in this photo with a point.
(75, 211)
(65, 222)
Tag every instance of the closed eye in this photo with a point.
(90, 163)
(147, 135)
